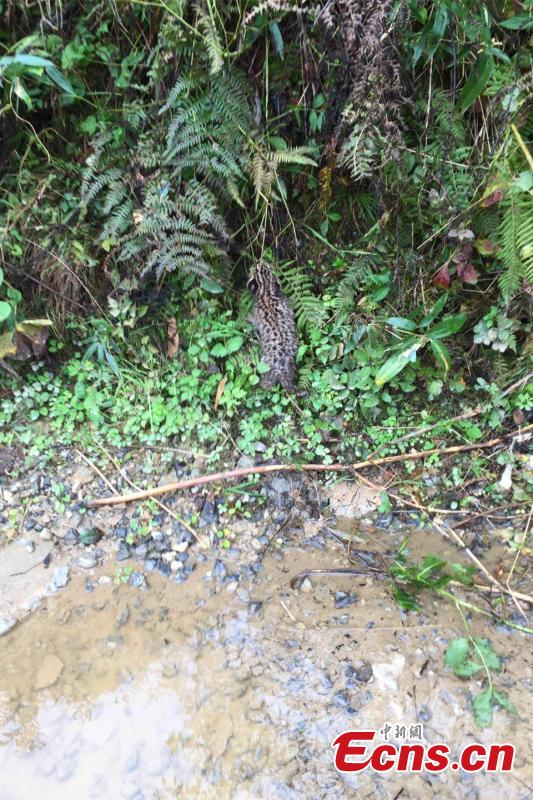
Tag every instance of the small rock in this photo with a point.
(123, 552)
(280, 485)
(364, 673)
(306, 585)
(49, 671)
(256, 545)
(45, 535)
(141, 551)
(219, 569)
(343, 599)
(87, 562)
(157, 536)
(60, 577)
(245, 461)
(137, 579)
(383, 521)
(176, 566)
(179, 547)
(82, 476)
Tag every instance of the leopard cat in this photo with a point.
(273, 320)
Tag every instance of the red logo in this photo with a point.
(354, 753)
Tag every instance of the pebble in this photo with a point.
(343, 599)
(60, 577)
(176, 566)
(123, 552)
(280, 485)
(137, 579)
(306, 585)
(179, 547)
(219, 569)
(87, 562)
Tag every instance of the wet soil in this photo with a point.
(234, 685)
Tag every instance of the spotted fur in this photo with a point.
(273, 320)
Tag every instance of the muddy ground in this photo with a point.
(136, 678)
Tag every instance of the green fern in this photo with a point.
(189, 162)
(515, 237)
(298, 286)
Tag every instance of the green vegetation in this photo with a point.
(155, 152)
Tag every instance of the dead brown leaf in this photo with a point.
(173, 343)
(220, 390)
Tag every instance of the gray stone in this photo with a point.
(87, 562)
(60, 577)
(280, 485)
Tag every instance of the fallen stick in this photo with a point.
(215, 477)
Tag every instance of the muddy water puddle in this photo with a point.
(237, 689)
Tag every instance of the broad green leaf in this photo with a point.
(14, 295)
(401, 322)
(504, 702)
(442, 355)
(397, 362)
(55, 75)
(21, 92)
(482, 706)
(234, 344)
(26, 60)
(476, 81)
(447, 326)
(434, 311)
(211, 286)
(520, 22)
(5, 310)
(484, 647)
(277, 38)
(456, 653)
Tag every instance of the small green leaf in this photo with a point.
(401, 322)
(456, 653)
(520, 22)
(1, 276)
(5, 310)
(476, 81)
(397, 362)
(490, 659)
(482, 705)
(234, 344)
(442, 356)
(21, 92)
(211, 286)
(277, 38)
(503, 701)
